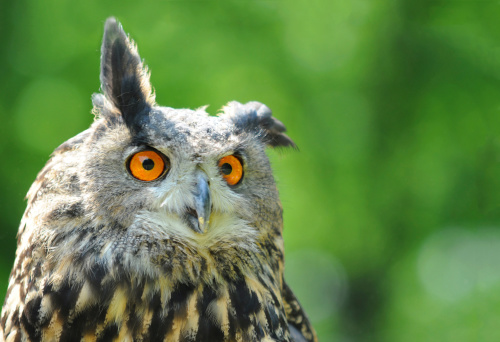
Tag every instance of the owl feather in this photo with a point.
(155, 224)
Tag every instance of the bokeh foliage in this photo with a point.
(392, 204)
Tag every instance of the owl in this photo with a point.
(155, 224)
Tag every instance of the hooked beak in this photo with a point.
(199, 216)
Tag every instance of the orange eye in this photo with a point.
(231, 169)
(147, 165)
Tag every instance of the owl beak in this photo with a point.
(199, 219)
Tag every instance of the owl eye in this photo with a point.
(231, 169)
(147, 165)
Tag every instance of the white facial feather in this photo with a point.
(224, 230)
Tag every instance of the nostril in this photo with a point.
(192, 212)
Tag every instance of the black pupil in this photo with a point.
(226, 169)
(148, 164)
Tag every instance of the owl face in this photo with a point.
(180, 173)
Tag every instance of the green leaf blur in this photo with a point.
(392, 205)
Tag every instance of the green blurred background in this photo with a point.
(392, 205)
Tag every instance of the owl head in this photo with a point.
(143, 174)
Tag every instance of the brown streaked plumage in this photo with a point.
(182, 255)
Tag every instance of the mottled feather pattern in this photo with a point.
(103, 256)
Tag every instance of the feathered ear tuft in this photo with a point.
(255, 116)
(124, 81)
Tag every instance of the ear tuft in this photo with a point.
(124, 81)
(254, 116)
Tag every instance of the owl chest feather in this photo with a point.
(189, 312)
(188, 299)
